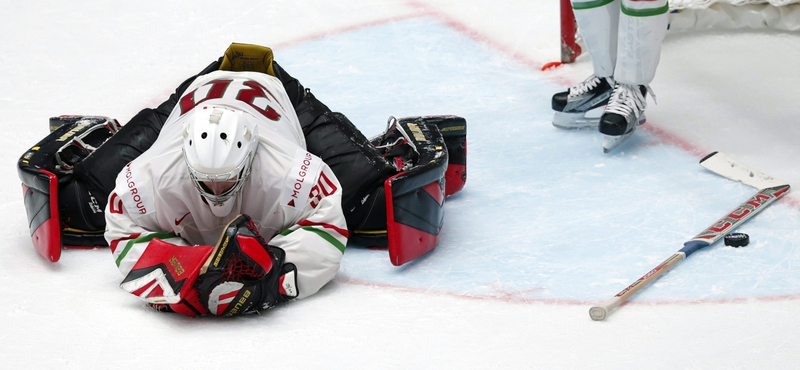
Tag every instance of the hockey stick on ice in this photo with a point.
(769, 190)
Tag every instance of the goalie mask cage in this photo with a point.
(699, 14)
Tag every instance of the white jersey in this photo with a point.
(293, 197)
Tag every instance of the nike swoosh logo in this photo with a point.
(179, 220)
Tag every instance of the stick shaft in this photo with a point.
(745, 211)
(600, 311)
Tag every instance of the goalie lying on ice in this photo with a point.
(241, 190)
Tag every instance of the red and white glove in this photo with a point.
(165, 274)
(245, 274)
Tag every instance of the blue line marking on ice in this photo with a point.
(545, 215)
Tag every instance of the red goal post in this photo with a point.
(700, 14)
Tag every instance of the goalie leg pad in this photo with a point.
(411, 209)
(416, 206)
(59, 205)
(415, 196)
(42, 210)
(454, 132)
(415, 215)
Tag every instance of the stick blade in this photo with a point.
(723, 165)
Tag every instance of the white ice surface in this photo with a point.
(546, 226)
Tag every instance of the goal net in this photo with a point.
(701, 14)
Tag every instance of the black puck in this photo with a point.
(737, 240)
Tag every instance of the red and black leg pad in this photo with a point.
(165, 275)
(414, 199)
(39, 191)
(61, 209)
(454, 132)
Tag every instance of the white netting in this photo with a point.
(706, 14)
(781, 15)
(702, 4)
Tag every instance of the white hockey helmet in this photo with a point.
(219, 144)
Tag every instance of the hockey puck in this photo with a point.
(737, 240)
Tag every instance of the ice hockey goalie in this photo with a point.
(392, 187)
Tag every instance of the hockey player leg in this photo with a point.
(415, 196)
(642, 29)
(624, 113)
(454, 132)
(357, 164)
(581, 106)
(396, 144)
(62, 208)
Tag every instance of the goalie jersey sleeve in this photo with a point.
(131, 220)
(315, 238)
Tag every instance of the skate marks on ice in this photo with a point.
(545, 215)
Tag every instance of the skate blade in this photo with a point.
(578, 121)
(611, 142)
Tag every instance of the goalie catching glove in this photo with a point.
(245, 274)
(242, 274)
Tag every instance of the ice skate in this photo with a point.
(625, 112)
(581, 106)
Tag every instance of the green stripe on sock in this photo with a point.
(645, 12)
(590, 4)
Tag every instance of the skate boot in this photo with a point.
(625, 112)
(581, 106)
